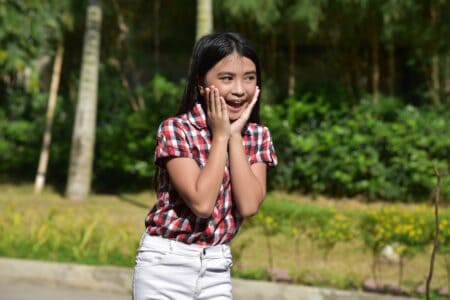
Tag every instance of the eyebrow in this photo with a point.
(232, 73)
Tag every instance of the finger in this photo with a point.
(224, 108)
(249, 108)
(255, 98)
(212, 100)
(218, 102)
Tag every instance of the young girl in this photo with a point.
(212, 159)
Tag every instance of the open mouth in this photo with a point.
(235, 106)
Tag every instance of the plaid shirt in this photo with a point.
(187, 135)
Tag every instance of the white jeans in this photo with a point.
(167, 269)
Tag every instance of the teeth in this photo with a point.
(235, 102)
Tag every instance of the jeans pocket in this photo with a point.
(219, 265)
(150, 257)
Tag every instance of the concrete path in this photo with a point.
(29, 279)
(35, 291)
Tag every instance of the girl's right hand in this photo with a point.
(217, 113)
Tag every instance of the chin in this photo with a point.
(234, 117)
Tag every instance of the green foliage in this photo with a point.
(126, 138)
(55, 235)
(255, 274)
(409, 231)
(334, 230)
(21, 124)
(444, 234)
(384, 150)
(102, 234)
(29, 29)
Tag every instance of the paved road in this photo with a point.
(27, 291)
(36, 280)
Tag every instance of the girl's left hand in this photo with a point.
(236, 126)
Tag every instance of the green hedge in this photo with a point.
(385, 150)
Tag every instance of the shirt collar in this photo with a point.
(197, 117)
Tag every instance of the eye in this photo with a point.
(226, 78)
(250, 77)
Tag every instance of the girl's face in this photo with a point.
(235, 78)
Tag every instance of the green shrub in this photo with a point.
(385, 150)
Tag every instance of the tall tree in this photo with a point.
(292, 19)
(428, 34)
(204, 18)
(435, 64)
(83, 138)
(45, 150)
(394, 34)
(29, 30)
(302, 16)
(125, 64)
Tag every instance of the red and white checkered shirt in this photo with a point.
(188, 135)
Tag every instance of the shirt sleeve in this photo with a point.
(171, 141)
(265, 151)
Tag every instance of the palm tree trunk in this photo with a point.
(83, 138)
(204, 18)
(47, 139)
(291, 68)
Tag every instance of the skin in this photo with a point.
(230, 93)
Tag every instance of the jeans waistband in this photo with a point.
(168, 245)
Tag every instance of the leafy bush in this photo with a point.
(381, 150)
(126, 138)
(385, 150)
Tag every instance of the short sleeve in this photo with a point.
(171, 141)
(265, 150)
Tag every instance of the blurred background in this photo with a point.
(356, 94)
(364, 84)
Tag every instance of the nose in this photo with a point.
(238, 89)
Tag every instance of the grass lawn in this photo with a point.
(106, 229)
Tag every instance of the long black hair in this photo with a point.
(207, 52)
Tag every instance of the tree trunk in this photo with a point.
(435, 84)
(291, 67)
(392, 69)
(434, 76)
(83, 138)
(272, 57)
(45, 150)
(447, 81)
(136, 102)
(156, 39)
(204, 18)
(375, 67)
